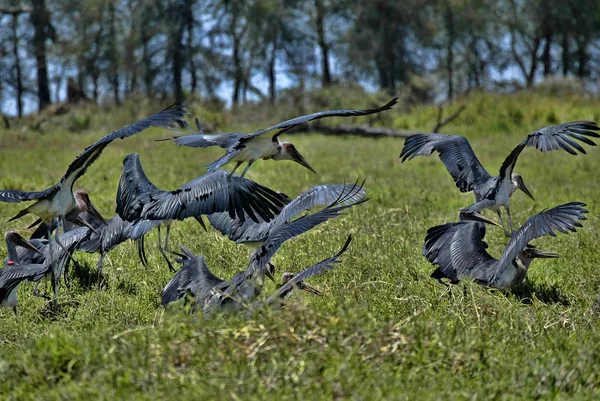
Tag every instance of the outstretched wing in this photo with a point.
(554, 137)
(250, 231)
(200, 140)
(563, 218)
(194, 276)
(319, 268)
(286, 125)
(561, 136)
(166, 118)
(456, 154)
(11, 276)
(261, 256)
(458, 250)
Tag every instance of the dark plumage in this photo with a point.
(248, 148)
(469, 175)
(459, 251)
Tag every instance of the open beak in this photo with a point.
(476, 216)
(309, 288)
(540, 253)
(94, 212)
(524, 188)
(22, 242)
(300, 160)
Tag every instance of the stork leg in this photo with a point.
(238, 164)
(502, 223)
(246, 169)
(510, 221)
(167, 243)
(36, 293)
(14, 308)
(162, 252)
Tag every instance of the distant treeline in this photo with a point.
(102, 49)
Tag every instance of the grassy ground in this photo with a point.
(384, 329)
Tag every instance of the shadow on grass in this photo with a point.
(527, 291)
(88, 277)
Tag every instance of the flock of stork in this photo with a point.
(247, 212)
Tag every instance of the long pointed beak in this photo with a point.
(309, 288)
(22, 242)
(81, 222)
(540, 253)
(476, 216)
(199, 220)
(300, 160)
(524, 188)
(94, 212)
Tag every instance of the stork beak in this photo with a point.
(23, 243)
(94, 212)
(81, 222)
(309, 288)
(269, 272)
(476, 216)
(523, 187)
(199, 220)
(297, 157)
(540, 253)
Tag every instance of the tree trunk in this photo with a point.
(114, 57)
(177, 54)
(581, 56)
(565, 54)
(19, 77)
(271, 74)
(450, 51)
(547, 56)
(41, 24)
(323, 46)
(189, 19)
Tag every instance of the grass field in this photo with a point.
(384, 329)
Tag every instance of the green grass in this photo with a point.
(384, 329)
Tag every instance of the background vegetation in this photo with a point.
(384, 329)
(251, 50)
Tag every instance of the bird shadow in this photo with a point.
(527, 291)
(87, 276)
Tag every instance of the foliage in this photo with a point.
(383, 329)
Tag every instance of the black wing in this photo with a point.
(319, 268)
(286, 125)
(261, 256)
(554, 137)
(194, 276)
(563, 218)
(456, 154)
(201, 140)
(11, 276)
(458, 250)
(250, 231)
(167, 118)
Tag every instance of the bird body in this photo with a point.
(59, 200)
(458, 249)
(494, 192)
(248, 148)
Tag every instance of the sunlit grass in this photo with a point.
(383, 330)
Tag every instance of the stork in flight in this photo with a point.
(469, 175)
(59, 200)
(458, 249)
(247, 148)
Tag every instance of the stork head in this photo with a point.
(518, 183)
(17, 240)
(287, 151)
(84, 204)
(531, 252)
(287, 276)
